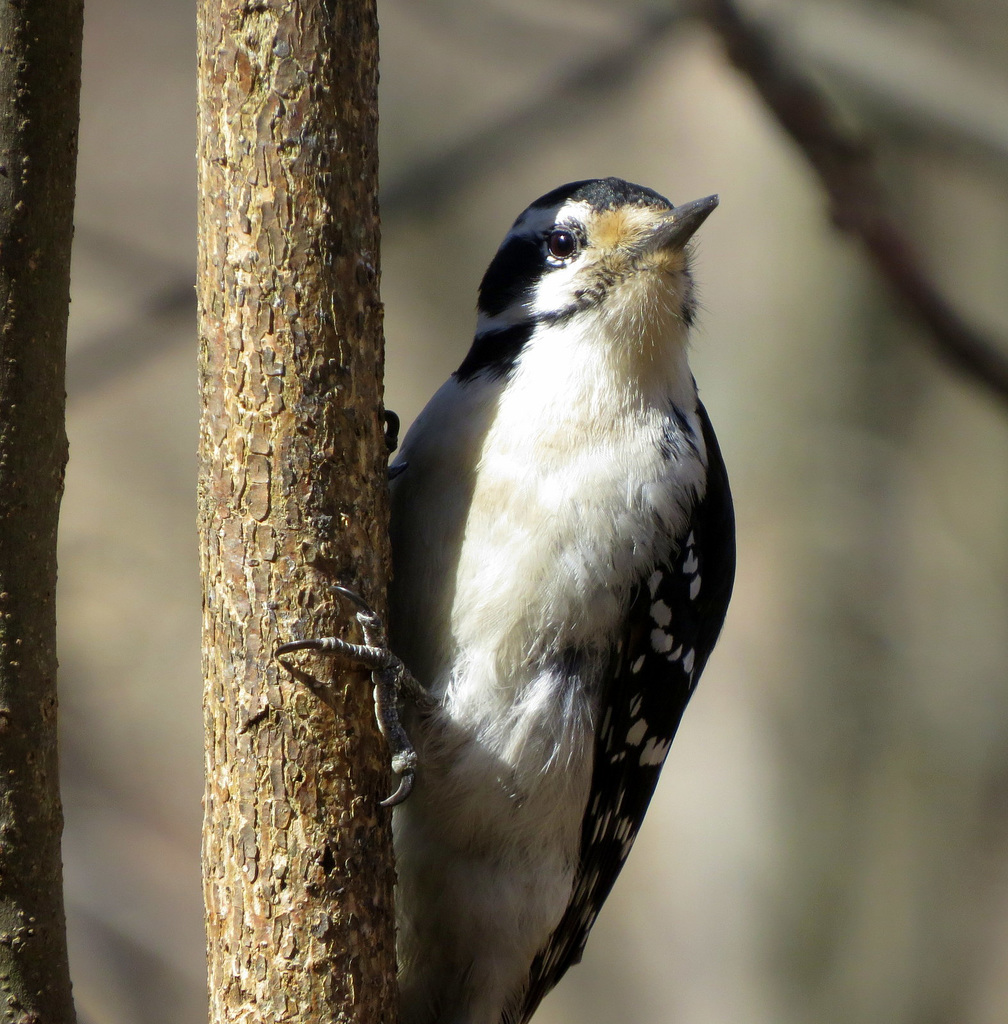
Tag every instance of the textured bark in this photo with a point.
(40, 56)
(297, 853)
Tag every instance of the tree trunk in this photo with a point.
(40, 55)
(297, 855)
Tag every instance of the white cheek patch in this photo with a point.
(513, 315)
(558, 290)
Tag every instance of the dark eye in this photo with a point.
(562, 244)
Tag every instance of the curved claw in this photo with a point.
(312, 644)
(391, 680)
(353, 596)
(404, 790)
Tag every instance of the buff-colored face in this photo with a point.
(610, 251)
(634, 256)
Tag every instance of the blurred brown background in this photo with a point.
(829, 840)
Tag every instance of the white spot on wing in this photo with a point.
(600, 825)
(691, 564)
(687, 662)
(637, 665)
(636, 733)
(655, 751)
(694, 587)
(661, 613)
(661, 641)
(606, 720)
(654, 582)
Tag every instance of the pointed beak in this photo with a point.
(679, 225)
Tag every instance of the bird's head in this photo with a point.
(597, 255)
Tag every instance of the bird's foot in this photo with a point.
(391, 681)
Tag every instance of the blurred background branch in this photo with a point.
(423, 187)
(857, 198)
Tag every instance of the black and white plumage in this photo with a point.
(563, 552)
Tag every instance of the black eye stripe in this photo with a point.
(511, 275)
(521, 262)
(495, 352)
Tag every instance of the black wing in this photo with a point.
(674, 621)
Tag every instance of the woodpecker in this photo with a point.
(563, 555)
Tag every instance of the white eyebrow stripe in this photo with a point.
(539, 219)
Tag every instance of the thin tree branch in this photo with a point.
(40, 61)
(859, 203)
(939, 93)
